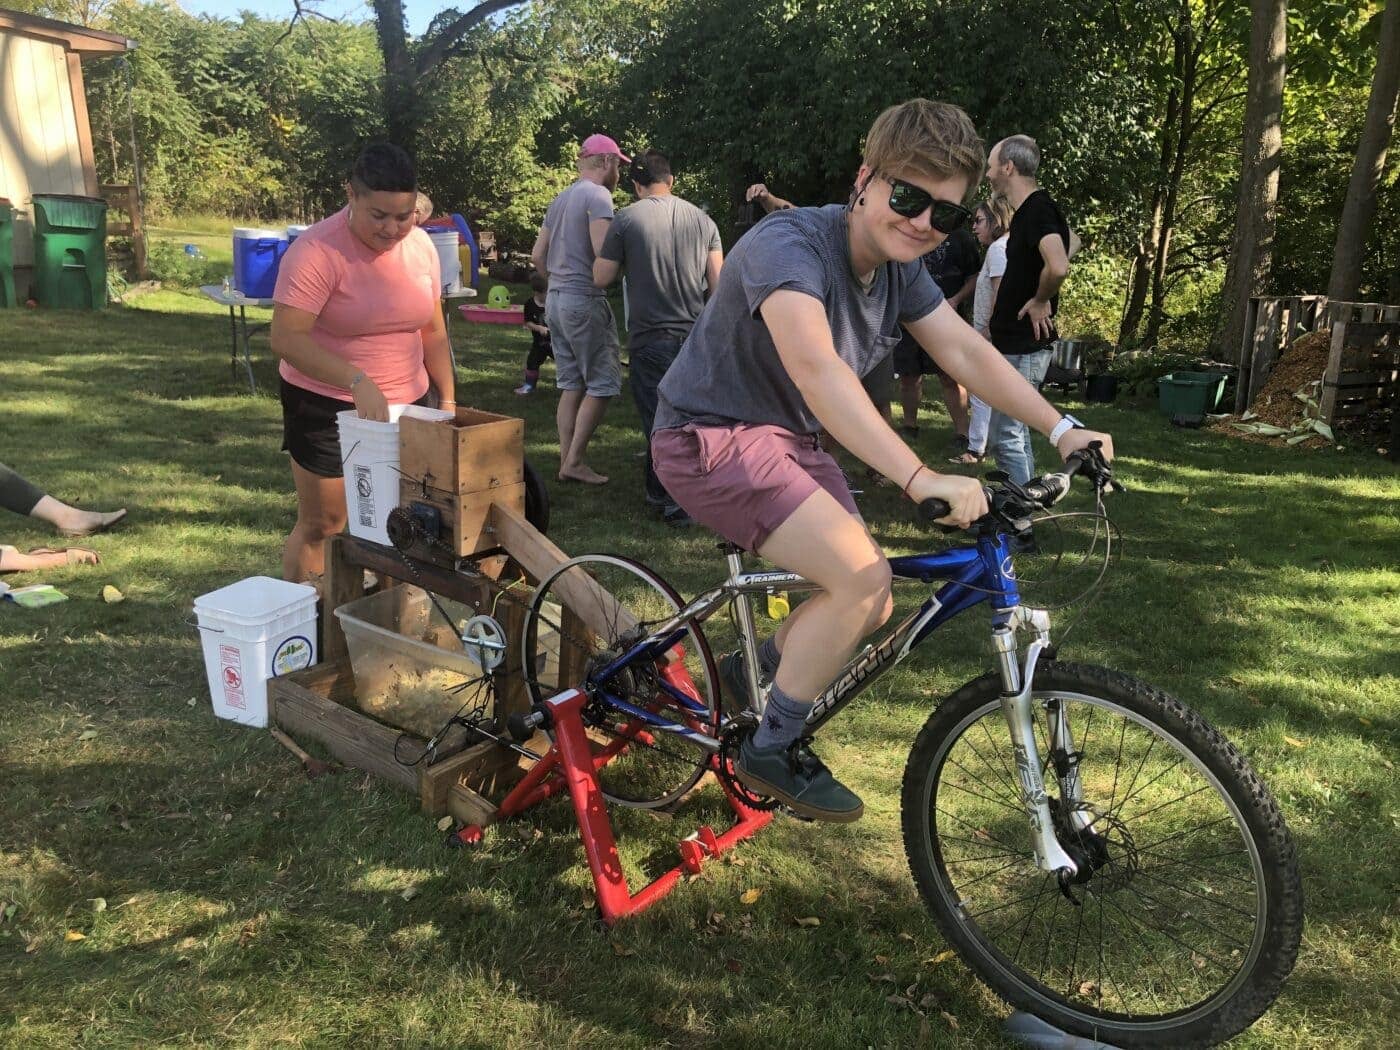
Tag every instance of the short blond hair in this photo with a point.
(932, 139)
(999, 211)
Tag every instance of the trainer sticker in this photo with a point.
(231, 672)
(364, 490)
(291, 655)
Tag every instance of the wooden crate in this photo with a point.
(317, 704)
(476, 452)
(1363, 369)
(465, 516)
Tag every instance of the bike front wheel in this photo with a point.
(1185, 916)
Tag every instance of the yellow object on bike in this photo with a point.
(778, 607)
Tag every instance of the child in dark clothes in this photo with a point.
(539, 334)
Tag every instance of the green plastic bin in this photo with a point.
(7, 254)
(1190, 393)
(70, 251)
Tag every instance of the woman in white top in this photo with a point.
(989, 222)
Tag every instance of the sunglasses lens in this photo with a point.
(908, 200)
(947, 216)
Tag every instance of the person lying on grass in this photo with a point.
(810, 300)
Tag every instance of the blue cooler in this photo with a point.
(256, 257)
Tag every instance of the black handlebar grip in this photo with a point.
(932, 509)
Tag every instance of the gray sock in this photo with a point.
(768, 656)
(783, 720)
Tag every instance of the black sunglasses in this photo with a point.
(910, 201)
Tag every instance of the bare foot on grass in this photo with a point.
(583, 473)
(87, 522)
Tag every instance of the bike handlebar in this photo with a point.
(1008, 501)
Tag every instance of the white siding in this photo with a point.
(38, 130)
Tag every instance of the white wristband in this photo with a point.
(1063, 427)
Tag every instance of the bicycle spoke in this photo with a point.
(987, 798)
(1178, 862)
(974, 829)
(1007, 800)
(1044, 884)
(1183, 834)
(1164, 805)
(1187, 915)
(1014, 781)
(1144, 787)
(1251, 916)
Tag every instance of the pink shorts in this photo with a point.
(746, 480)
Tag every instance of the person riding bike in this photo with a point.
(809, 301)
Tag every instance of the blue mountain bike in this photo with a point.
(1094, 850)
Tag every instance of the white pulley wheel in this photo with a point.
(485, 642)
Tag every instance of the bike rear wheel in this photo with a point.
(586, 614)
(1186, 915)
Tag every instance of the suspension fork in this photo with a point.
(748, 637)
(1016, 705)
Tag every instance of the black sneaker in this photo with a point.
(798, 779)
(736, 683)
(673, 516)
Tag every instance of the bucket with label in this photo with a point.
(445, 241)
(369, 452)
(253, 630)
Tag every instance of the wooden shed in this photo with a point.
(45, 138)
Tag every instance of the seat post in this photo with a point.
(743, 619)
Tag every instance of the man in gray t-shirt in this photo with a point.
(587, 361)
(672, 253)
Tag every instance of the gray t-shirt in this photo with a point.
(664, 242)
(570, 256)
(729, 371)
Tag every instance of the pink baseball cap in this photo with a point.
(601, 146)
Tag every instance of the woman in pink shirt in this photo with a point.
(356, 323)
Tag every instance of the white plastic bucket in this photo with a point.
(293, 232)
(445, 241)
(369, 452)
(253, 630)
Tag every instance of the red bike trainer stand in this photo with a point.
(572, 764)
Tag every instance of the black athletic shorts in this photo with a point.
(309, 430)
(911, 360)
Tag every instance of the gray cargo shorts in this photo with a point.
(584, 335)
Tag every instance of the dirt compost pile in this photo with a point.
(1288, 401)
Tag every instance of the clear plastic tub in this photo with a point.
(408, 661)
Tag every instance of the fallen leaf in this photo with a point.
(952, 1021)
(86, 735)
(750, 896)
(940, 958)
(1294, 741)
(622, 950)
(32, 946)
(883, 960)
(1363, 721)
(897, 1000)
(186, 943)
(409, 893)
(810, 920)
(8, 912)
(1088, 989)
(929, 1001)
(906, 937)
(74, 935)
(99, 903)
(191, 702)
(111, 595)
(883, 978)
(445, 824)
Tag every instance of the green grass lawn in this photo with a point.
(176, 881)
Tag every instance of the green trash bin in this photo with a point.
(7, 253)
(70, 251)
(1190, 393)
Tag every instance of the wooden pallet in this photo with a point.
(317, 704)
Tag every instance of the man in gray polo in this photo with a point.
(587, 362)
(672, 253)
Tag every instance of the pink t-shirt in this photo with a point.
(370, 306)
